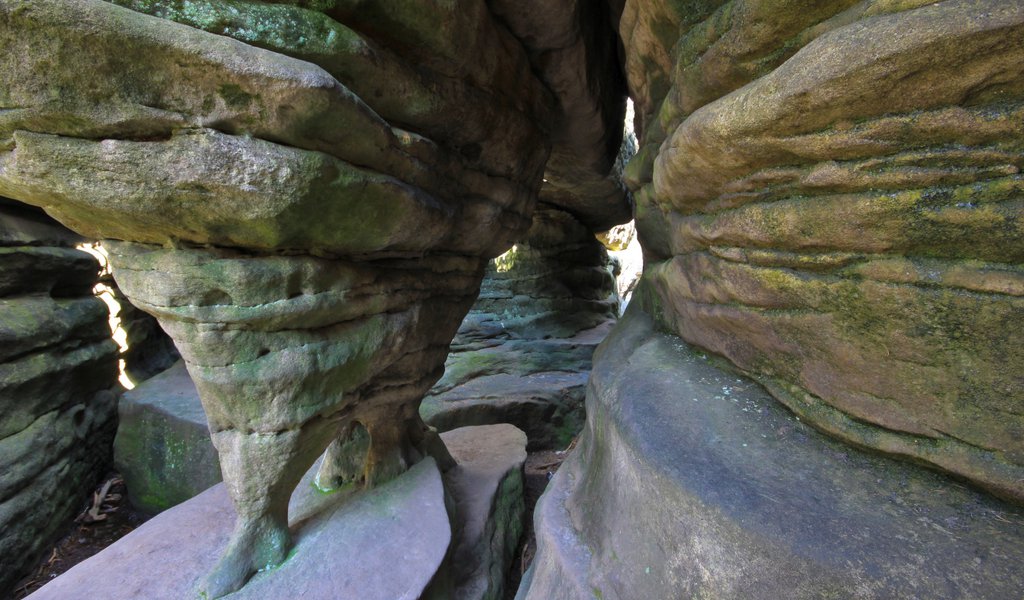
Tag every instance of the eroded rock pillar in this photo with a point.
(304, 199)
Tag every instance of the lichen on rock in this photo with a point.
(837, 214)
(305, 194)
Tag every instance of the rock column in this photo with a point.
(305, 200)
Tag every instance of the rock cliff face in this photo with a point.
(305, 195)
(523, 352)
(829, 200)
(829, 195)
(690, 481)
(58, 371)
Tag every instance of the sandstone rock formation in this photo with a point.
(523, 352)
(419, 536)
(58, 371)
(487, 490)
(305, 195)
(163, 448)
(690, 481)
(829, 196)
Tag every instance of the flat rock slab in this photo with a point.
(163, 446)
(487, 490)
(381, 544)
(537, 385)
(548, 406)
(690, 482)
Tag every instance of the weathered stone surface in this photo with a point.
(235, 88)
(40, 382)
(35, 323)
(49, 469)
(25, 225)
(486, 488)
(555, 282)
(163, 448)
(522, 354)
(57, 369)
(56, 272)
(691, 481)
(536, 385)
(572, 46)
(828, 194)
(306, 198)
(345, 546)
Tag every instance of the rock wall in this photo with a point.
(556, 282)
(305, 195)
(691, 481)
(829, 196)
(523, 352)
(58, 371)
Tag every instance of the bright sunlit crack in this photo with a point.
(106, 293)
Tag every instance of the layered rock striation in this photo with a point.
(691, 481)
(574, 51)
(829, 196)
(58, 379)
(304, 195)
(523, 352)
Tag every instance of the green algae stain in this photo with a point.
(234, 96)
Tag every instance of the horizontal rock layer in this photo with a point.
(58, 368)
(829, 196)
(691, 481)
(522, 354)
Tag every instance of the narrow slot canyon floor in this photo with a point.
(88, 536)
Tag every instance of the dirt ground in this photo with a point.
(101, 522)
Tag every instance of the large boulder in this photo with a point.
(691, 481)
(828, 194)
